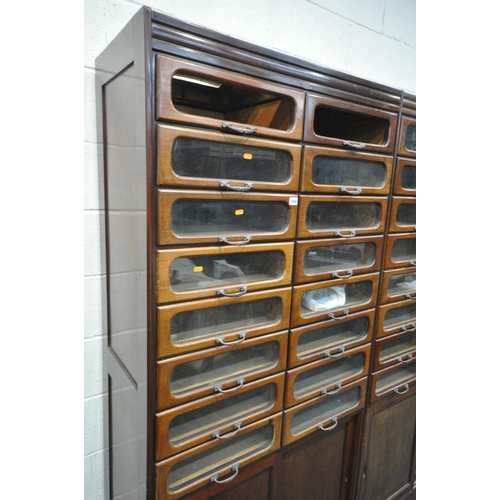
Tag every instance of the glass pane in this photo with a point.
(406, 214)
(222, 368)
(395, 378)
(327, 337)
(409, 177)
(332, 258)
(404, 249)
(340, 216)
(208, 463)
(335, 297)
(208, 419)
(225, 217)
(206, 271)
(411, 138)
(214, 160)
(402, 283)
(326, 376)
(199, 324)
(340, 124)
(400, 316)
(331, 171)
(398, 347)
(201, 96)
(328, 408)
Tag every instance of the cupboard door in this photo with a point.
(398, 285)
(393, 350)
(408, 133)
(406, 177)
(201, 95)
(205, 159)
(343, 124)
(401, 251)
(403, 214)
(396, 380)
(399, 317)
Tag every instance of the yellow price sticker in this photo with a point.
(197, 269)
(247, 156)
(240, 211)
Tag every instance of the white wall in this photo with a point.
(374, 39)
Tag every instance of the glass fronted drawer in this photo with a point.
(331, 338)
(191, 273)
(215, 371)
(217, 418)
(398, 285)
(401, 251)
(406, 177)
(229, 218)
(393, 350)
(223, 322)
(200, 95)
(326, 376)
(352, 126)
(408, 131)
(398, 379)
(217, 462)
(324, 412)
(398, 317)
(332, 171)
(339, 216)
(403, 214)
(331, 299)
(317, 260)
(200, 158)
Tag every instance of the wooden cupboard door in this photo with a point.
(405, 182)
(408, 134)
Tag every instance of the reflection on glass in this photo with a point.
(411, 138)
(409, 177)
(398, 347)
(395, 378)
(406, 214)
(402, 284)
(404, 249)
(338, 216)
(400, 316)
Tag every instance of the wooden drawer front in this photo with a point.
(398, 379)
(343, 124)
(230, 218)
(220, 370)
(408, 142)
(341, 216)
(401, 251)
(317, 260)
(201, 95)
(406, 177)
(330, 171)
(393, 350)
(204, 159)
(399, 317)
(223, 322)
(403, 214)
(333, 299)
(217, 418)
(323, 413)
(330, 339)
(398, 285)
(326, 376)
(216, 461)
(191, 273)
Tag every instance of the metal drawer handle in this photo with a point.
(354, 145)
(406, 388)
(226, 185)
(334, 391)
(241, 338)
(348, 274)
(334, 422)
(243, 131)
(223, 293)
(345, 234)
(412, 263)
(245, 241)
(351, 191)
(329, 354)
(237, 427)
(410, 328)
(402, 359)
(239, 384)
(412, 296)
(345, 313)
(215, 479)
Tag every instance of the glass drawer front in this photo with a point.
(402, 284)
(402, 251)
(396, 380)
(397, 318)
(404, 214)
(406, 177)
(399, 349)
(411, 138)
(409, 177)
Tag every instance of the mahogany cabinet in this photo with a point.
(261, 267)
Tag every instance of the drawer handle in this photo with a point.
(348, 274)
(244, 131)
(241, 338)
(412, 263)
(402, 359)
(239, 384)
(412, 296)
(223, 293)
(226, 185)
(245, 241)
(345, 234)
(354, 145)
(334, 422)
(345, 313)
(329, 354)
(406, 388)
(334, 391)
(237, 427)
(215, 479)
(410, 328)
(351, 191)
